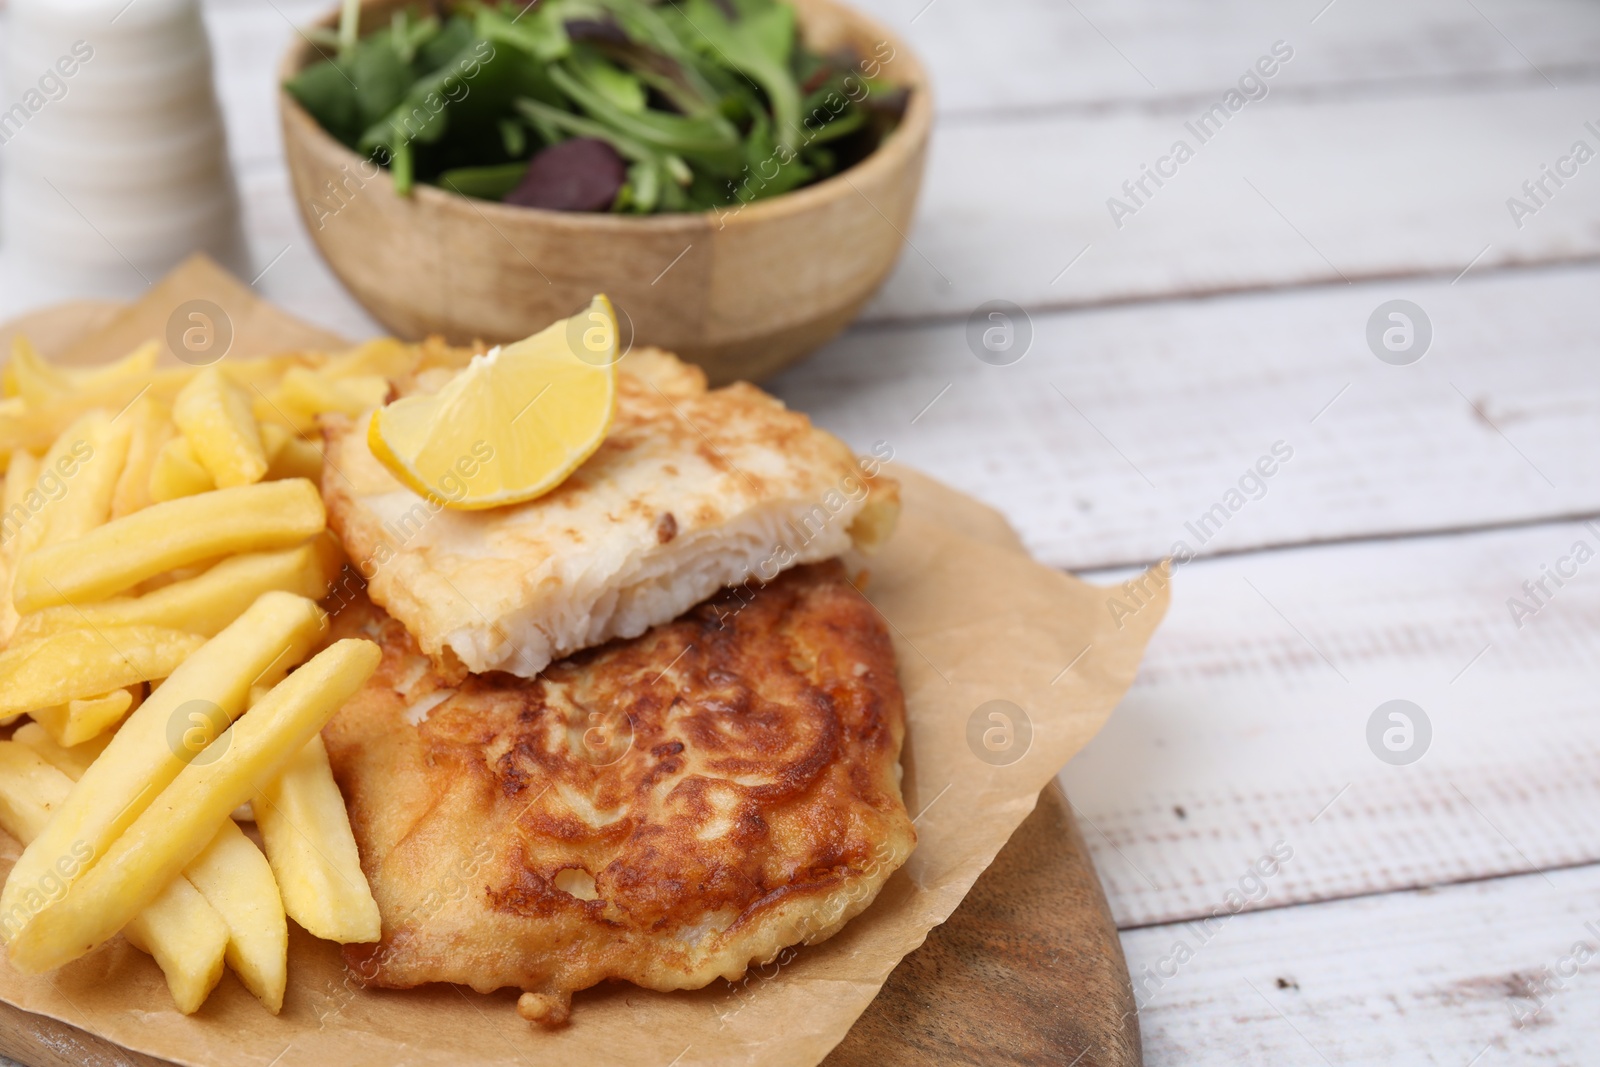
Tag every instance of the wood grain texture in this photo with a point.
(1462, 975)
(38, 1041)
(1248, 725)
(1031, 56)
(1122, 427)
(1028, 970)
(1290, 192)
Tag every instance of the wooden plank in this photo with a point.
(1123, 426)
(1036, 55)
(1248, 728)
(1288, 192)
(1449, 977)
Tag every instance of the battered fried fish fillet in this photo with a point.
(663, 810)
(693, 490)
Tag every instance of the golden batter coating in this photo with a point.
(663, 810)
(692, 490)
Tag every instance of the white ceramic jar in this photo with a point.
(112, 149)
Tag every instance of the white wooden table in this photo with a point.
(1430, 911)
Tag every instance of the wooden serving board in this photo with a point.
(1028, 970)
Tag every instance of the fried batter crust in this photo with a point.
(663, 810)
(692, 489)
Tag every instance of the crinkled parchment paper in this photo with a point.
(973, 622)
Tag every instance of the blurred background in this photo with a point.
(1336, 354)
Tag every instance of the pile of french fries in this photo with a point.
(162, 552)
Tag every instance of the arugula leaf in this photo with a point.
(642, 191)
(577, 126)
(513, 137)
(711, 141)
(621, 88)
(759, 46)
(647, 27)
(770, 167)
(537, 32)
(485, 183)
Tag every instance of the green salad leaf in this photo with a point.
(691, 105)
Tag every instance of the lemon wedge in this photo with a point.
(513, 424)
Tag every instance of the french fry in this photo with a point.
(144, 755)
(40, 383)
(50, 399)
(265, 684)
(203, 604)
(231, 874)
(32, 426)
(180, 822)
(152, 428)
(304, 394)
(384, 357)
(61, 463)
(22, 476)
(80, 720)
(30, 791)
(69, 761)
(299, 458)
(236, 880)
(22, 430)
(177, 472)
(274, 435)
(215, 419)
(78, 664)
(188, 939)
(58, 497)
(306, 832)
(8, 377)
(178, 927)
(85, 500)
(289, 455)
(123, 553)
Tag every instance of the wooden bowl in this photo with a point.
(743, 292)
